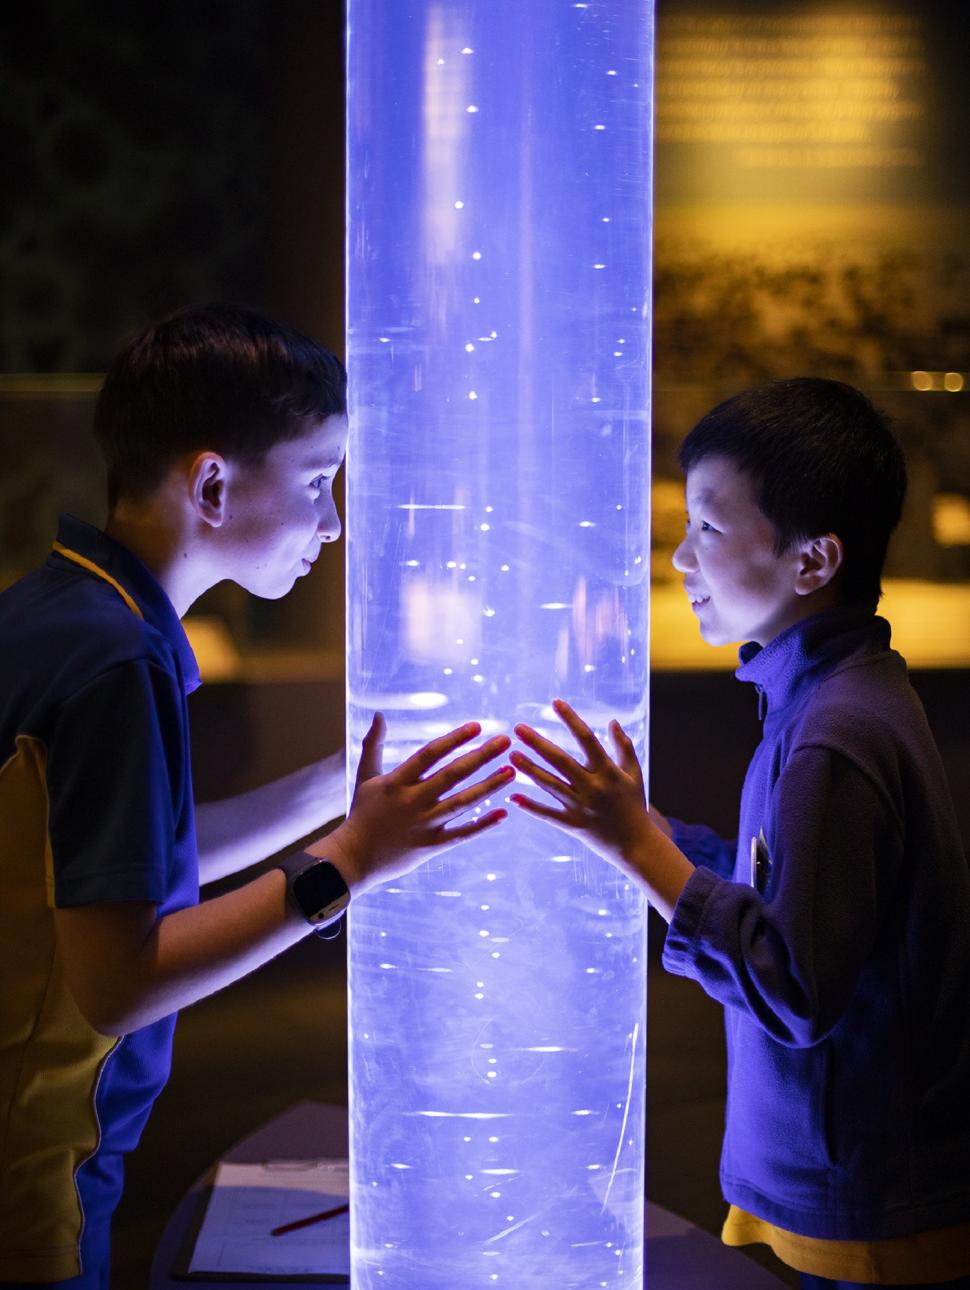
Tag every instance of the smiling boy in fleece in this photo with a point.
(836, 932)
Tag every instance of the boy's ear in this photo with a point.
(208, 482)
(820, 559)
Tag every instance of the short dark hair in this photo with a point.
(219, 376)
(823, 460)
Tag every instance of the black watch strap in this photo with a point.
(317, 891)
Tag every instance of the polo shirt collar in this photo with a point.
(108, 559)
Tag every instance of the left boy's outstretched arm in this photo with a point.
(240, 831)
(604, 801)
(127, 964)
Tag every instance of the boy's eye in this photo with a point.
(317, 483)
(703, 525)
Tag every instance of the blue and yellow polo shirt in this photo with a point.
(95, 805)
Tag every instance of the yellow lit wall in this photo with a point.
(813, 218)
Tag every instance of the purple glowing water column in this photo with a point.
(497, 540)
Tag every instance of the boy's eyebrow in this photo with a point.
(706, 497)
(313, 462)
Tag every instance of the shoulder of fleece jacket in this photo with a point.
(869, 714)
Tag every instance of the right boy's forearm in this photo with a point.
(659, 867)
(660, 820)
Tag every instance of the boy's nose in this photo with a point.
(683, 558)
(328, 526)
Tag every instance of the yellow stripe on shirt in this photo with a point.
(96, 569)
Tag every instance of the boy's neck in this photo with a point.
(802, 608)
(818, 604)
(147, 530)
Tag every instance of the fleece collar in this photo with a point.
(793, 663)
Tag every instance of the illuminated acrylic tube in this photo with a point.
(497, 521)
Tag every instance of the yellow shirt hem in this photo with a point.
(939, 1255)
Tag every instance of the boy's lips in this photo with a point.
(697, 598)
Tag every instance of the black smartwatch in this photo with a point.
(317, 891)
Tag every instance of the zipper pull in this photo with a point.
(762, 703)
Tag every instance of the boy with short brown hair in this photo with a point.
(222, 433)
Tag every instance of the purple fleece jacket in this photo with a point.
(844, 967)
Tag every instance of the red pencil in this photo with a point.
(313, 1218)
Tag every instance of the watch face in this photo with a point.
(320, 892)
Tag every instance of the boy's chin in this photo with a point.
(269, 590)
(716, 636)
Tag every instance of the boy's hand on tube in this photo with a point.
(603, 799)
(400, 819)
